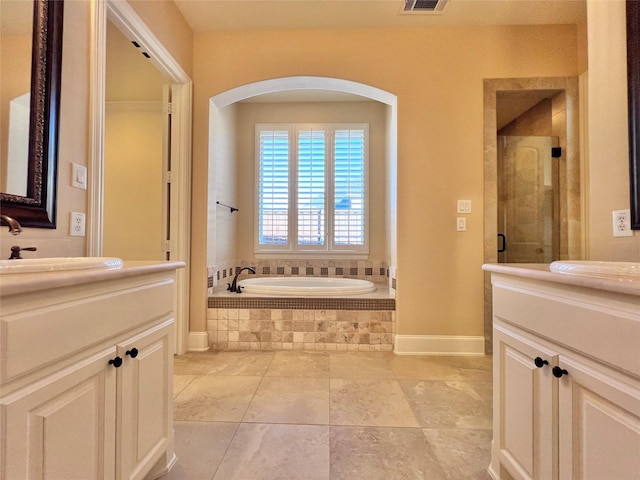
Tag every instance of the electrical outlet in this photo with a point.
(622, 223)
(76, 225)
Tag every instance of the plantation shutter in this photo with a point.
(349, 187)
(273, 191)
(311, 187)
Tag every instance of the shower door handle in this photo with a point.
(503, 247)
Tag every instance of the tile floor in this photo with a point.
(304, 415)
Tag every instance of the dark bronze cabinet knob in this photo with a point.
(559, 372)
(116, 362)
(540, 362)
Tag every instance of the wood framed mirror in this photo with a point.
(34, 205)
(633, 82)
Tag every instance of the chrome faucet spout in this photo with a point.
(12, 223)
(233, 286)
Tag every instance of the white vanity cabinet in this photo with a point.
(566, 377)
(86, 376)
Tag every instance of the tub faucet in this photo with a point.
(12, 223)
(233, 286)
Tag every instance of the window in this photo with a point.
(312, 188)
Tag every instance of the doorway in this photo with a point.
(178, 217)
(521, 95)
(135, 153)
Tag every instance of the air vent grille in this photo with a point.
(424, 5)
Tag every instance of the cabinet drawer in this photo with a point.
(578, 321)
(32, 338)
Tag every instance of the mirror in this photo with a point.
(28, 176)
(633, 82)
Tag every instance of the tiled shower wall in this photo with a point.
(374, 271)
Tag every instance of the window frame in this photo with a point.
(329, 248)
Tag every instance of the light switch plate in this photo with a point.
(464, 206)
(78, 176)
(461, 224)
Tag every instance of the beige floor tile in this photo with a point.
(299, 364)
(277, 452)
(444, 404)
(361, 365)
(442, 367)
(200, 447)
(250, 363)
(374, 453)
(462, 453)
(180, 382)
(290, 400)
(215, 398)
(369, 403)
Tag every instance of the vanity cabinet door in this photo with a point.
(145, 401)
(599, 423)
(63, 426)
(523, 405)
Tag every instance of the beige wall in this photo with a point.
(608, 168)
(223, 178)
(73, 141)
(437, 75)
(164, 19)
(167, 23)
(250, 114)
(133, 181)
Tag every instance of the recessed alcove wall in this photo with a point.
(565, 125)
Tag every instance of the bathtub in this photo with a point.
(306, 286)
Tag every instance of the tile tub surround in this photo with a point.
(379, 272)
(357, 323)
(331, 415)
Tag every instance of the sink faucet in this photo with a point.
(14, 226)
(15, 251)
(233, 286)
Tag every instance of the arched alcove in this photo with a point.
(221, 131)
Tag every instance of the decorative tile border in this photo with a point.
(297, 303)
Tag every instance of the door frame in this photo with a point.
(574, 184)
(132, 26)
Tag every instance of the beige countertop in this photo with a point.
(18, 283)
(540, 271)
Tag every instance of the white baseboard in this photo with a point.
(438, 345)
(198, 341)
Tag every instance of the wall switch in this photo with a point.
(461, 224)
(464, 206)
(78, 176)
(76, 226)
(622, 223)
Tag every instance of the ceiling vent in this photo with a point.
(425, 6)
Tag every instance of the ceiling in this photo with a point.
(510, 104)
(220, 15)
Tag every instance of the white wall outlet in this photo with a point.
(464, 206)
(622, 223)
(461, 224)
(78, 176)
(76, 225)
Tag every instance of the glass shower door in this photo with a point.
(527, 200)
